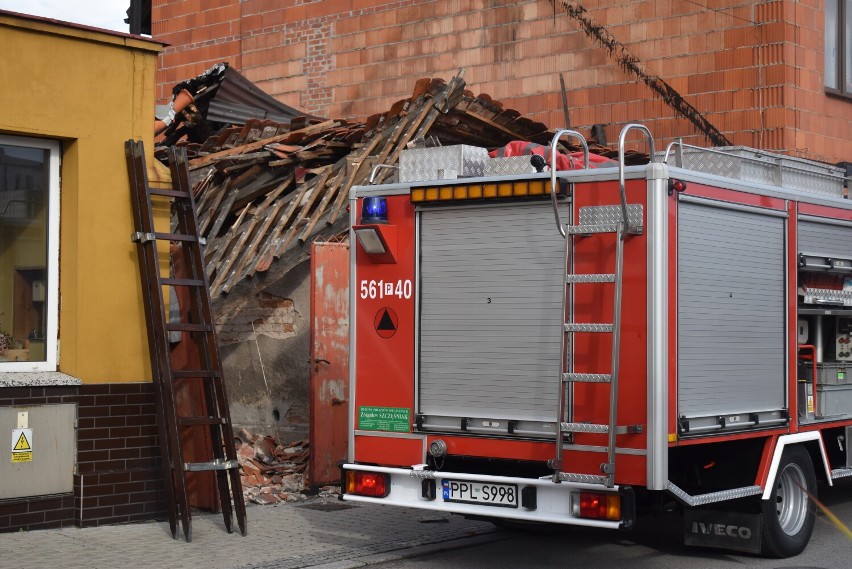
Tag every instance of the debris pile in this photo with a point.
(271, 472)
(264, 188)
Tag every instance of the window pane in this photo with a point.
(847, 46)
(24, 190)
(831, 38)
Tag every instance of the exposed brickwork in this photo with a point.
(265, 314)
(754, 69)
(118, 477)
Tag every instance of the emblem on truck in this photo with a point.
(386, 322)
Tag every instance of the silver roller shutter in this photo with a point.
(731, 325)
(490, 325)
(825, 239)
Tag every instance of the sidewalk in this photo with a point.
(320, 532)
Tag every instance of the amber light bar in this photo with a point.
(484, 191)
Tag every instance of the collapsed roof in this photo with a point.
(266, 187)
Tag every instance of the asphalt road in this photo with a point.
(656, 543)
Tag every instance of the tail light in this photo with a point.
(362, 483)
(597, 506)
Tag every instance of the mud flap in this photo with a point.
(724, 530)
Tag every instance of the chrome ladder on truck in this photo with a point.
(596, 220)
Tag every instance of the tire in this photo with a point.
(789, 513)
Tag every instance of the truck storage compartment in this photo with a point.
(490, 324)
(731, 316)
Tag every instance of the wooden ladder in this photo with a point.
(161, 322)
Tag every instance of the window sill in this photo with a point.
(37, 379)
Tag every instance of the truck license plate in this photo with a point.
(505, 495)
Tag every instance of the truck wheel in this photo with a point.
(789, 514)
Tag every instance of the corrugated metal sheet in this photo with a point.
(237, 100)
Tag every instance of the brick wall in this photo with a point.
(118, 476)
(754, 69)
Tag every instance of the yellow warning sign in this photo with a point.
(22, 445)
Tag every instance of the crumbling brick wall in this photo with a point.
(265, 350)
(753, 69)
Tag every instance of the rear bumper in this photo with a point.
(539, 499)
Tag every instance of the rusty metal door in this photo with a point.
(329, 393)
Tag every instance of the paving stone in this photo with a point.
(318, 532)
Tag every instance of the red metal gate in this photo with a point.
(329, 395)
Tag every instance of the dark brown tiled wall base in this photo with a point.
(119, 478)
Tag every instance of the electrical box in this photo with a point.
(49, 442)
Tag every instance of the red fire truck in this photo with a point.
(581, 346)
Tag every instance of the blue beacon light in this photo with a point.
(374, 210)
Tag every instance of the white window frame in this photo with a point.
(842, 60)
(51, 333)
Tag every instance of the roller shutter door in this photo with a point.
(490, 325)
(825, 239)
(731, 325)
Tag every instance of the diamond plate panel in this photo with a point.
(588, 327)
(589, 229)
(441, 163)
(748, 164)
(611, 214)
(508, 166)
(583, 478)
(828, 296)
(587, 377)
(584, 428)
(713, 497)
(591, 278)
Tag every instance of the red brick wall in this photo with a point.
(754, 69)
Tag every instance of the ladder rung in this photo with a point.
(195, 421)
(587, 377)
(168, 193)
(217, 464)
(582, 478)
(574, 327)
(181, 282)
(185, 373)
(591, 278)
(592, 228)
(597, 428)
(583, 428)
(185, 327)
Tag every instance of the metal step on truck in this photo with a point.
(580, 346)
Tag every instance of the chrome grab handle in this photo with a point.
(651, 153)
(556, 137)
(378, 167)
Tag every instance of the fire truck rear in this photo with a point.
(581, 346)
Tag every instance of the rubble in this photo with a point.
(263, 188)
(272, 471)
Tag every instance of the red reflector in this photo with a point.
(362, 483)
(600, 506)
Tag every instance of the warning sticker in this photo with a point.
(393, 419)
(22, 445)
(386, 322)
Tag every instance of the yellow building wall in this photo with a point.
(91, 91)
